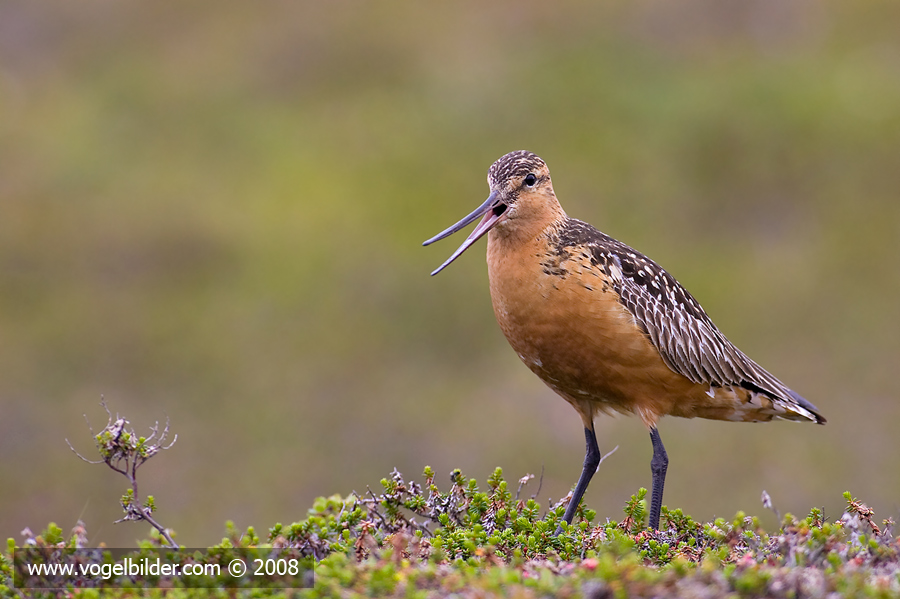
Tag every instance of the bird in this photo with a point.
(606, 327)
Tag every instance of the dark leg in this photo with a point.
(658, 466)
(591, 461)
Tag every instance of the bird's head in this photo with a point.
(521, 198)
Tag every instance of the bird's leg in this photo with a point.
(658, 465)
(591, 461)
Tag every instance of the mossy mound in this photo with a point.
(414, 540)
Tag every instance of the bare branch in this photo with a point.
(81, 456)
(522, 482)
(767, 503)
(540, 483)
(123, 451)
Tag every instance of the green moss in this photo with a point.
(418, 541)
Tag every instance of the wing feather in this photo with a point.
(687, 339)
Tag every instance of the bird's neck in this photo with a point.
(529, 221)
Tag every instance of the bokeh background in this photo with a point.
(213, 213)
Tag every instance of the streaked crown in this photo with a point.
(513, 166)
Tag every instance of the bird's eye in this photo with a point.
(530, 180)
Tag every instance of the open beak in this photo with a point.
(493, 211)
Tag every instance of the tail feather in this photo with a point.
(806, 408)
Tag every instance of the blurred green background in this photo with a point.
(213, 213)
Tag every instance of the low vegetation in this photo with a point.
(412, 540)
(415, 540)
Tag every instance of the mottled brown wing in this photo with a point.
(687, 339)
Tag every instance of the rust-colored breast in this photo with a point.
(566, 322)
